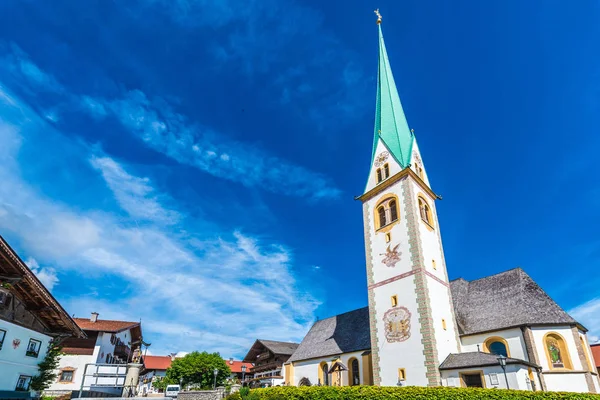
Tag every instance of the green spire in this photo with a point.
(390, 123)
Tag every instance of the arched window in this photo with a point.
(419, 170)
(393, 211)
(496, 345)
(425, 212)
(381, 212)
(386, 171)
(353, 372)
(387, 212)
(557, 352)
(379, 176)
(323, 374)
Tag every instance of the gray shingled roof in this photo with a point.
(285, 348)
(342, 333)
(477, 359)
(503, 300)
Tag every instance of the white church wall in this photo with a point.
(566, 382)
(416, 158)
(517, 376)
(513, 337)
(407, 354)
(567, 334)
(437, 281)
(310, 368)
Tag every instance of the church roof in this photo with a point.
(477, 359)
(342, 333)
(390, 122)
(501, 301)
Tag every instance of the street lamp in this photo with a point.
(502, 361)
(215, 372)
(243, 373)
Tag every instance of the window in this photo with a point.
(324, 374)
(66, 376)
(381, 212)
(556, 351)
(419, 170)
(425, 212)
(496, 345)
(33, 348)
(23, 383)
(388, 237)
(386, 212)
(379, 176)
(586, 348)
(472, 379)
(354, 373)
(386, 171)
(444, 323)
(2, 336)
(401, 374)
(394, 301)
(433, 264)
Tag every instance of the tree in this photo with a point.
(47, 368)
(197, 369)
(161, 383)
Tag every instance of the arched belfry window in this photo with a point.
(557, 351)
(496, 345)
(383, 173)
(425, 211)
(386, 212)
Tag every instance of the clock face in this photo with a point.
(381, 158)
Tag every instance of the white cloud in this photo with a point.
(191, 290)
(46, 275)
(135, 195)
(587, 314)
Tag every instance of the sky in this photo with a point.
(193, 164)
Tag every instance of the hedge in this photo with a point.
(405, 393)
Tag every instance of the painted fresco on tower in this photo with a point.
(381, 158)
(397, 324)
(391, 256)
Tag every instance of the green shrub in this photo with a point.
(234, 396)
(406, 393)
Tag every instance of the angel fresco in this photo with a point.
(392, 256)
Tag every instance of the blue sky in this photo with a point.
(193, 163)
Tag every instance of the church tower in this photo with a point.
(412, 320)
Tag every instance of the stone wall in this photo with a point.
(202, 395)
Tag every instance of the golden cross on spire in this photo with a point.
(378, 16)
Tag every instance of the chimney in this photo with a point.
(231, 361)
(94, 317)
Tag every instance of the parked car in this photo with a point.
(172, 390)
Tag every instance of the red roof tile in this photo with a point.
(104, 325)
(596, 354)
(157, 362)
(236, 366)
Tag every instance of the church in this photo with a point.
(420, 329)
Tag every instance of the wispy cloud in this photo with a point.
(587, 314)
(134, 194)
(207, 284)
(156, 123)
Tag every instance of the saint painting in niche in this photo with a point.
(554, 351)
(391, 256)
(397, 324)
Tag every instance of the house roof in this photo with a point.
(504, 300)
(105, 325)
(236, 366)
(281, 348)
(477, 359)
(160, 363)
(342, 333)
(596, 354)
(37, 299)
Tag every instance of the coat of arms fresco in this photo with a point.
(397, 324)
(391, 256)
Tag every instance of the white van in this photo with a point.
(172, 390)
